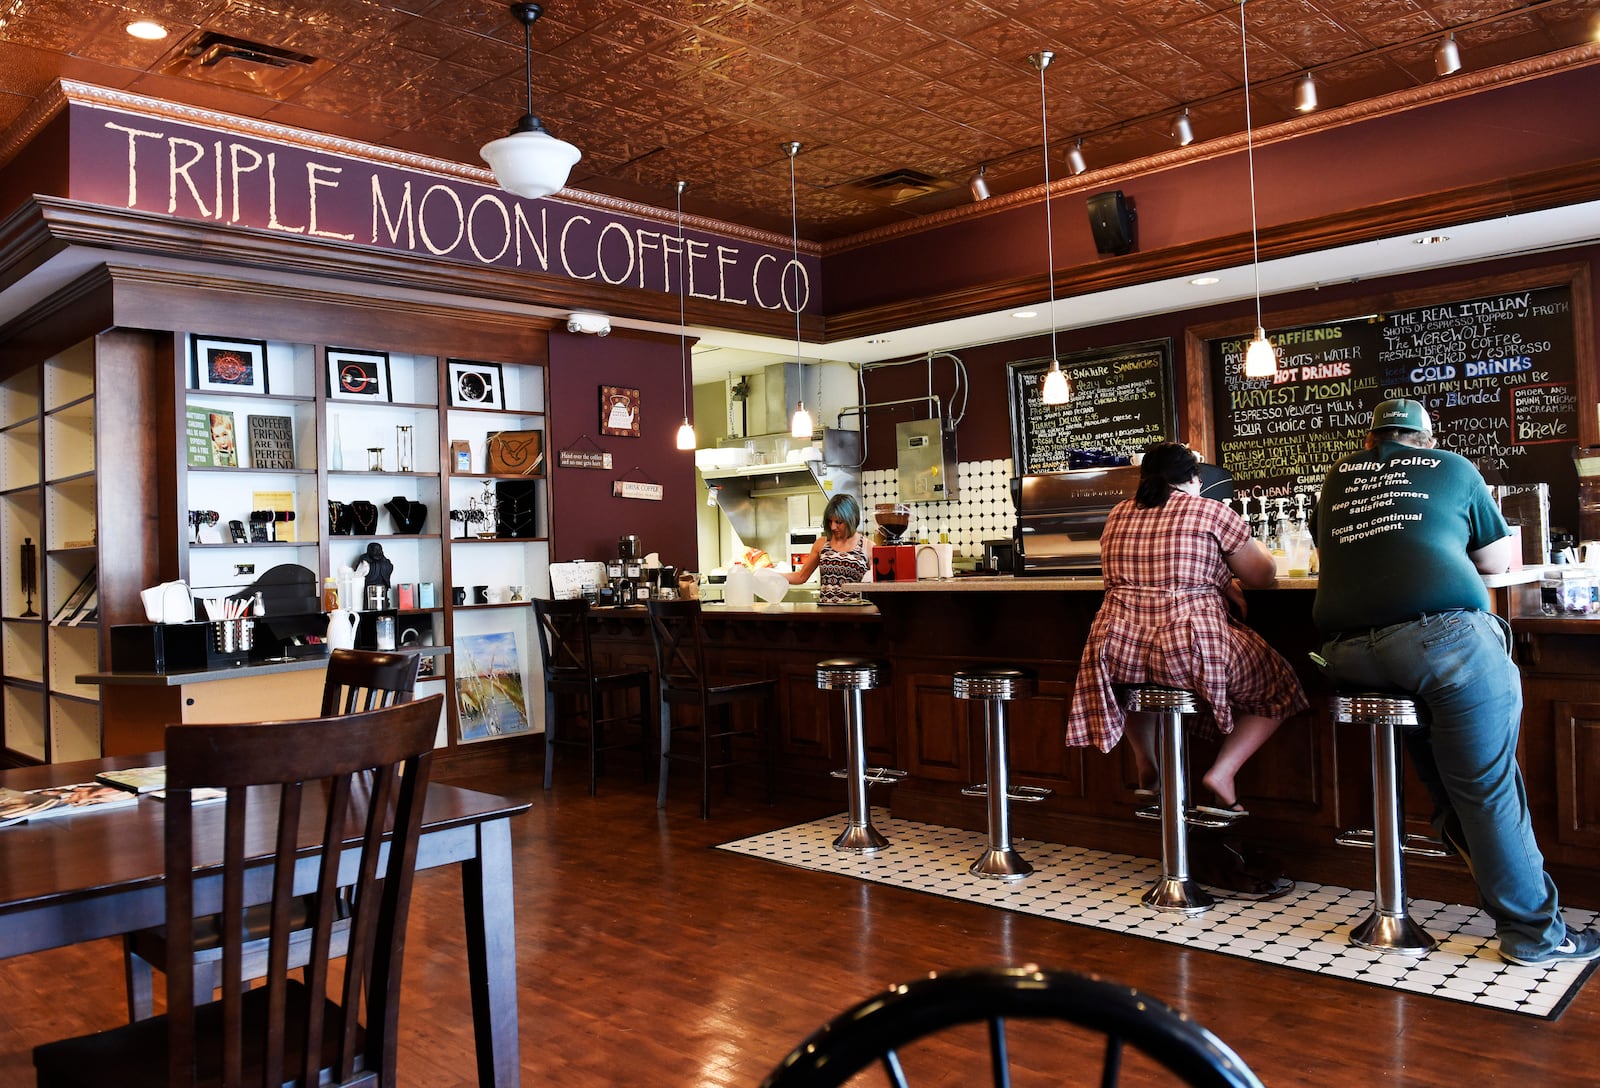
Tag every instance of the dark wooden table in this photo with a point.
(83, 876)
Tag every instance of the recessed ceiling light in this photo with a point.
(1430, 239)
(1205, 281)
(146, 30)
(1025, 313)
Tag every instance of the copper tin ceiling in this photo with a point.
(707, 90)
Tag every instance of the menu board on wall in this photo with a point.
(1497, 375)
(1121, 402)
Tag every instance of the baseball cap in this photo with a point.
(1407, 414)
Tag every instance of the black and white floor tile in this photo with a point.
(1304, 930)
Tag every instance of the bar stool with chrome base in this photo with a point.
(853, 675)
(994, 686)
(1174, 890)
(1390, 928)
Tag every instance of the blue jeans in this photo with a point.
(1459, 667)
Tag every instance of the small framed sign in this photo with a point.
(358, 375)
(619, 411)
(228, 364)
(475, 385)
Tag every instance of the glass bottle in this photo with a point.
(335, 444)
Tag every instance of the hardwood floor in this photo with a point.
(647, 958)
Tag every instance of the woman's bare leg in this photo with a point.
(1250, 732)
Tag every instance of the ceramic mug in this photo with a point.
(458, 595)
(494, 595)
(480, 594)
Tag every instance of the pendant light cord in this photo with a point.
(527, 59)
(794, 238)
(1250, 159)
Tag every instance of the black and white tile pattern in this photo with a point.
(1304, 930)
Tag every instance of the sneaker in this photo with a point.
(1580, 945)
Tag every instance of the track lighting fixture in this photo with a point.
(1182, 131)
(1305, 94)
(979, 184)
(1075, 160)
(1447, 56)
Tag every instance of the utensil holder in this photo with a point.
(233, 636)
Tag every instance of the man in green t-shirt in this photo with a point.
(1403, 532)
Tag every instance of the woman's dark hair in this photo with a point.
(1166, 465)
(845, 509)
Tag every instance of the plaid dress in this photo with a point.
(1165, 621)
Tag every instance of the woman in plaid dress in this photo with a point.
(1172, 562)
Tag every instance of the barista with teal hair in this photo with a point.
(841, 554)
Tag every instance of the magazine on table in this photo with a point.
(136, 779)
(18, 805)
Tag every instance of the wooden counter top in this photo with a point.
(1009, 583)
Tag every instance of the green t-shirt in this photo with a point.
(1394, 526)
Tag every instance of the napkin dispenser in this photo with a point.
(169, 602)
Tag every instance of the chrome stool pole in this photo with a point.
(1174, 890)
(1389, 928)
(853, 675)
(994, 687)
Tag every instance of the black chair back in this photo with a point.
(360, 680)
(680, 651)
(564, 644)
(875, 1030)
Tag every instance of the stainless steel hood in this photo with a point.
(755, 498)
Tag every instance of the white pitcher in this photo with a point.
(342, 630)
(1589, 553)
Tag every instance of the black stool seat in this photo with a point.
(995, 682)
(1390, 927)
(845, 673)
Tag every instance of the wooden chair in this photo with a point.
(310, 806)
(357, 680)
(565, 647)
(875, 1031)
(683, 680)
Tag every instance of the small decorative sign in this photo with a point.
(583, 459)
(634, 489)
(271, 442)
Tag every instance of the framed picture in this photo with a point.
(619, 411)
(358, 375)
(475, 385)
(491, 699)
(228, 365)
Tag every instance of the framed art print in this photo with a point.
(475, 385)
(228, 365)
(358, 375)
(619, 411)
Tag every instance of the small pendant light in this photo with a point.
(1260, 360)
(686, 435)
(1056, 389)
(801, 425)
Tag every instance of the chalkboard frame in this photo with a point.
(1198, 338)
(1016, 373)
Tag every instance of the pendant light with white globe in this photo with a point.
(1260, 360)
(1056, 389)
(686, 436)
(529, 162)
(801, 425)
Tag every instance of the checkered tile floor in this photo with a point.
(1304, 930)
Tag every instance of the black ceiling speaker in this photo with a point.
(1112, 220)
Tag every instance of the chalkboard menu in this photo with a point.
(1497, 375)
(1121, 402)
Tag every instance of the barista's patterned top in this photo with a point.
(1165, 621)
(836, 568)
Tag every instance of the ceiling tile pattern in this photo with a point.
(708, 90)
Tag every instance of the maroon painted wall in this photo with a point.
(586, 519)
(1486, 137)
